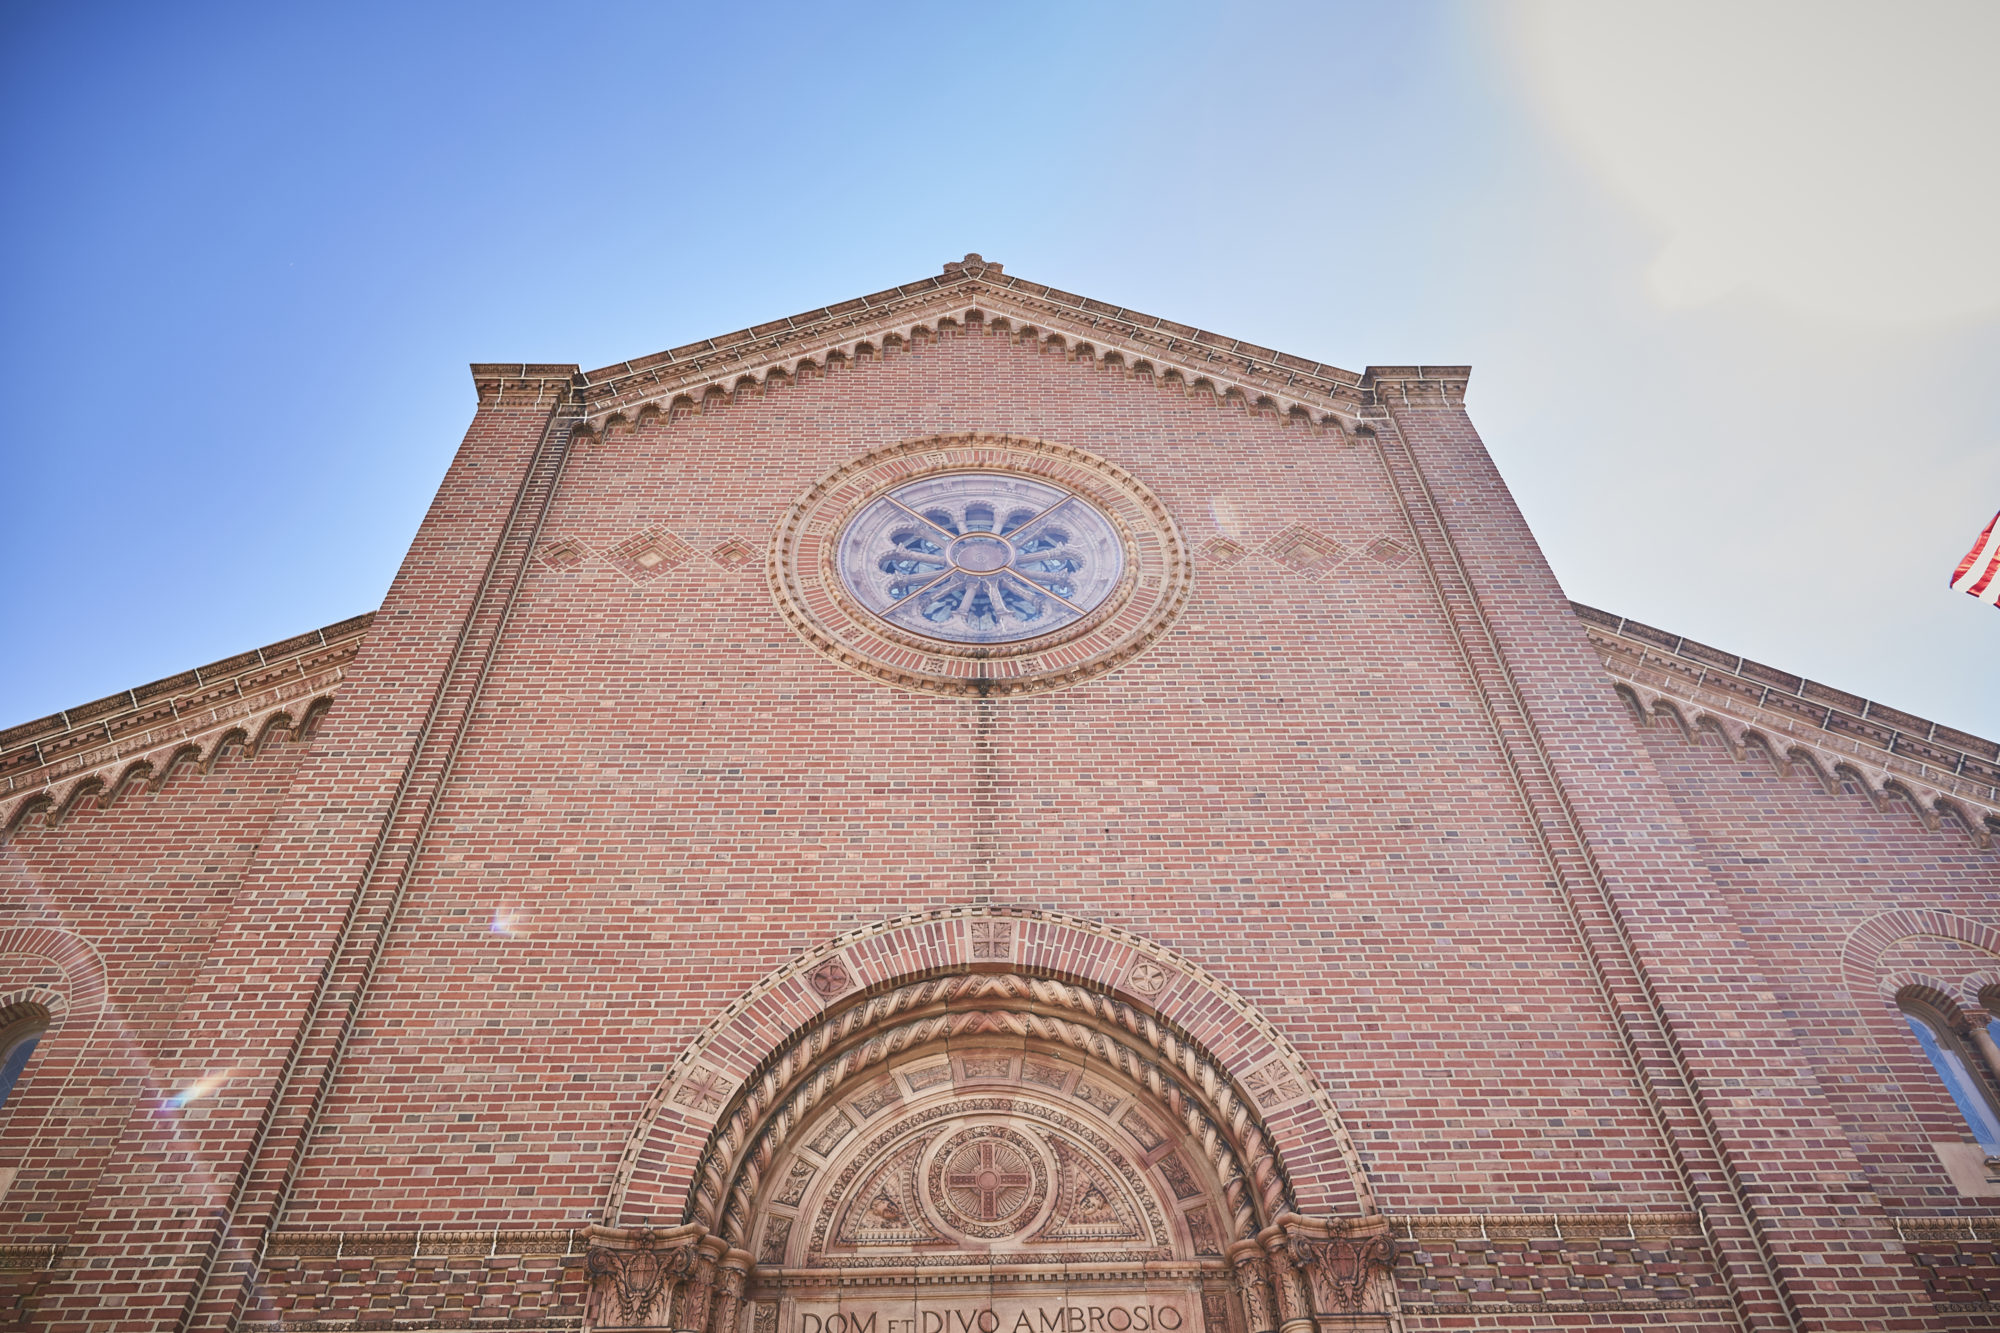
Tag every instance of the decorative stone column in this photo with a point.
(691, 1314)
(730, 1273)
(1989, 1050)
(1253, 1279)
(1294, 1307)
(636, 1273)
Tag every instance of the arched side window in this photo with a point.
(17, 1045)
(1949, 1057)
(1987, 1035)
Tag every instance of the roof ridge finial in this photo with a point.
(973, 265)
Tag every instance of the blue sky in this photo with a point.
(1726, 301)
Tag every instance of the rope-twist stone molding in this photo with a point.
(771, 1107)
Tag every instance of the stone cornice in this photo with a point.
(1416, 386)
(976, 291)
(1744, 705)
(52, 760)
(521, 384)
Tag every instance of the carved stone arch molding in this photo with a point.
(984, 1121)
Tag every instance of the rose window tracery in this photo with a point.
(981, 557)
(974, 564)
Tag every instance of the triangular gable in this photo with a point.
(975, 293)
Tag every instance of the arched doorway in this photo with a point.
(984, 1150)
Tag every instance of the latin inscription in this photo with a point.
(1091, 1314)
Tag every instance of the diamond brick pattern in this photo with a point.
(1221, 552)
(563, 553)
(734, 555)
(1306, 553)
(649, 554)
(1388, 551)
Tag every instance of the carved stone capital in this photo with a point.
(1340, 1261)
(696, 1291)
(635, 1274)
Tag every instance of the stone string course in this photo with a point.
(1630, 1263)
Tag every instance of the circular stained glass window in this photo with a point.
(979, 564)
(981, 557)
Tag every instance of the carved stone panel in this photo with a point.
(989, 1183)
(979, 1151)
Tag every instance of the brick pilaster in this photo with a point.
(189, 1194)
(1801, 1237)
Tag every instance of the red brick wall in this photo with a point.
(141, 888)
(154, 1225)
(675, 796)
(1805, 870)
(1823, 1243)
(1394, 806)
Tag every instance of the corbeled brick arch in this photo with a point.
(1861, 957)
(1176, 997)
(1883, 965)
(60, 975)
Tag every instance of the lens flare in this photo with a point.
(1834, 154)
(198, 1089)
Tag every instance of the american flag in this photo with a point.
(1979, 572)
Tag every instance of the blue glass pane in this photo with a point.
(16, 1061)
(1959, 1081)
(981, 557)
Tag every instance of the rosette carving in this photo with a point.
(978, 564)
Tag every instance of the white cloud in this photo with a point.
(1843, 158)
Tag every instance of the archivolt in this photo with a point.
(1184, 1081)
(1205, 1043)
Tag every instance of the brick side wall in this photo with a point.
(1805, 870)
(142, 885)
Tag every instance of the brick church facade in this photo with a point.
(976, 810)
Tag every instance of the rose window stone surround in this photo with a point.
(980, 564)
